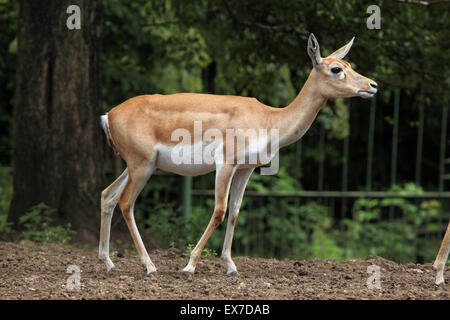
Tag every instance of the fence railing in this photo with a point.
(399, 235)
(346, 199)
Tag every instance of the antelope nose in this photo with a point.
(373, 85)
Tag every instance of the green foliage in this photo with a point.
(38, 226)
(206, 253)
(336, 123)
(306, 231)
(5, 227)
(5, 199)
(286, 228)
(284, 182)
(393, 228)
(5, 189)
(165, 226)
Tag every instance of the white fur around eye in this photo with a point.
(340, 75)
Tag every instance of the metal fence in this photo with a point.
(340, 202)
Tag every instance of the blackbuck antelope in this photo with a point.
(146, 131)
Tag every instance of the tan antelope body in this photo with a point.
(142, 131)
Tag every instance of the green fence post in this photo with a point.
(394, 153)
(419, 144)
(187, 197)
(373, 107)
(322, 157)
(395, 138)
(344, 186)
(298, 159)
(443, 147)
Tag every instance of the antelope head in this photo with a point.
(335, 77)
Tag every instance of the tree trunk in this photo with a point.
(58, 141)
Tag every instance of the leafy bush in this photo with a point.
(165, 226)
(5, 189)
(206, 252)
(5, 199)
(395, 228)
(38, 228)
(5, 227)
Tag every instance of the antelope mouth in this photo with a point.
(366, 94)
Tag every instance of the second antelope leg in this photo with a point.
(223, 181)
(441, 259)
(108, 203)
(139, 173)
(237, 192)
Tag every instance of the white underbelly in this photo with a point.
(185, 160)
(206, 156)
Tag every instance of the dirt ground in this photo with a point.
(30, 271)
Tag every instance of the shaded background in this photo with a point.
(55, 83)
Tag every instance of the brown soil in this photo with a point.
(30, 271)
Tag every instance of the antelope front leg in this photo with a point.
(223, 181)
(237, 192)
(441, 259)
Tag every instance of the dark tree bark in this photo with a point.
(58, 142)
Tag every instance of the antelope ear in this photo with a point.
(314, 51)
(342, 52)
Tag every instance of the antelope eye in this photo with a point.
(336, 70)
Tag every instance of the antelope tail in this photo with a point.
(105, 126)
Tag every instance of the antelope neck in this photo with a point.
(295, 119)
